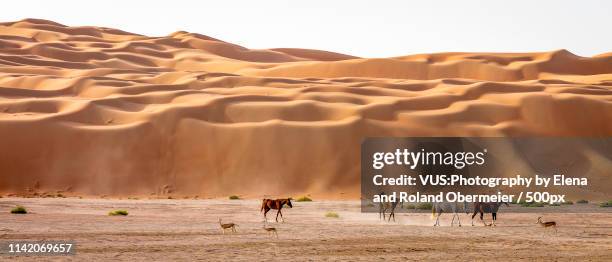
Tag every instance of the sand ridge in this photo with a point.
(99, 111)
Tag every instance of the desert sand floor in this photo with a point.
(188, 229)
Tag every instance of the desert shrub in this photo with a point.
(582, 201)
(606, 204)
(304, 199)
(234, 197)
(19, 210)
(555, 205)
(567, 202)
(118, 213)
(332, 214)
(409, 206)
(533, 204)
(424, 206)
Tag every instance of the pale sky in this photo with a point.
(375, 28)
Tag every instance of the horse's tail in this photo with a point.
(263, 204)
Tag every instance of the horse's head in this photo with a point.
(289, 203)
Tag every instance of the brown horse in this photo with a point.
(487, 207)
(278, 204)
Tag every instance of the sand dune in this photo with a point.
(99, 111)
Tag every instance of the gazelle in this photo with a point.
(270, 230)
(227, 226)
(552, 224)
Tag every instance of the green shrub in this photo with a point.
(234, 197)
(533, 204)
(304, 199)
(606, 204)
(332, 214)
(424, 206)
(555, 205)
(118, 213)
(19, 210)
(582, 201)
(409, 206)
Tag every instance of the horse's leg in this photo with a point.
(383, 214)
(266, 212)
(281, 213)
(482, 218)
(482, 215)
(473, 215)
(438, 218)
(458, 220)
(277, 213)
(494, 216)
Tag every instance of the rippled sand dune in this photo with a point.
(98, 111)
